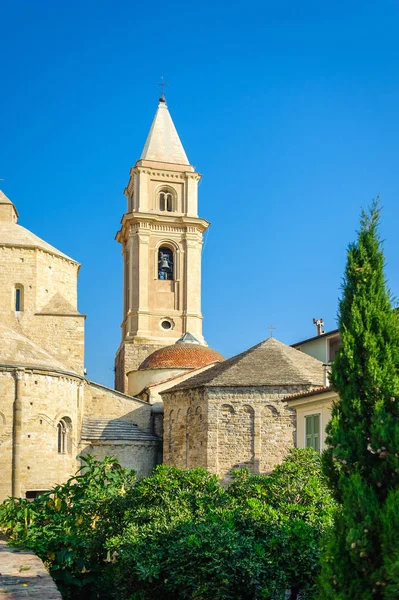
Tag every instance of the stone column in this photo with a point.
(17, 436)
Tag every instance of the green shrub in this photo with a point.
(68, 526)
(179, 534)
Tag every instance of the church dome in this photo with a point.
(186, 353)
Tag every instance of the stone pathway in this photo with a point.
(22, 575)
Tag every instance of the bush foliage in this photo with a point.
(179, 534)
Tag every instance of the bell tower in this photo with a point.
(161, 238)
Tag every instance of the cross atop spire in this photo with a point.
(162, 84)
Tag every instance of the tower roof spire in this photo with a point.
(163, 143)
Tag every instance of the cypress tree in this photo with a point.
(361, 553)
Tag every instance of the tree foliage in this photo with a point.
(179, 534)
(362, 461)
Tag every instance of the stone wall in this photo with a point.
(103, 402)
(49, 314)
(129, 357)
(23, 576)
(185, 429)
(222, 429)
(139, 456)
(46, 398)
(7, 394)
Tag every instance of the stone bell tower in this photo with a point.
(161, 238)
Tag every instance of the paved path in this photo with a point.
(22, 575)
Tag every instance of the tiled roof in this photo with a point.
(114, 429)
(17, 349)
(316, 337)
(270, 363)
(12, 234)
(314, 392)
(183, 356)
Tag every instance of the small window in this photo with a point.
(64, 438)
(313, 432)
(32, 494)
(166, 200)
(165, 263)
(19, 298)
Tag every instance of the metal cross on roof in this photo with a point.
(271, 330)
(163, 85)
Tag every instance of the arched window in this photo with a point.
(64, 436)
(165, 263)
(19, 298)
(166, 200)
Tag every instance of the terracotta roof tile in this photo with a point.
(184, 356)
(314, 392)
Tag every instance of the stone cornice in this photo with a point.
(153, 222)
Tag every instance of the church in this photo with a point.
(175, 399)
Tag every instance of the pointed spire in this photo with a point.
(163, 143)
(8, 211)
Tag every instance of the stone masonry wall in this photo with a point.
(46, 398)
(7, 394)
(49, 282)
(185, 427)
(63, 337)
(223, 429)
(102, 402)
(138, 456)
(251, 427)
(129, 357)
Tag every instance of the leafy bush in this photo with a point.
(68, 526)
(179, 534)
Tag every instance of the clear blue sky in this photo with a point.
(288, 109)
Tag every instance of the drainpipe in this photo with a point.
(17, 435)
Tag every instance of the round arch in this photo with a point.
(175, 248)
(165, 199)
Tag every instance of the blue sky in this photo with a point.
(289, 110)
